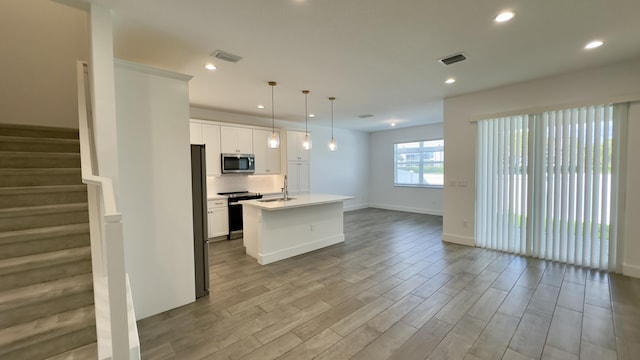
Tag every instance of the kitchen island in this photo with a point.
(276, 229)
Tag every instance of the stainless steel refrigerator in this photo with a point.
(200, 225)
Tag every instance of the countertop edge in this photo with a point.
(299, 201)
(216, 197)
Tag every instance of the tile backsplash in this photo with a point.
(263, 184)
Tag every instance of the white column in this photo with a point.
(101, 70)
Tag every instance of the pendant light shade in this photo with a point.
(273, 142)
(333, 145)
(306, 144)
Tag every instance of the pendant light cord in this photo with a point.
(332, 118)
(306, 112)
(273, 122)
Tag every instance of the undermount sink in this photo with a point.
(275, 199)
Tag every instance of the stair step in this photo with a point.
(36, 144)
(30, 217)
(40, 177)
(19, 130)
(35, 301)
(89, 351)
(33, 269)
(25, 160)
(40, 240)
(11, 197)
(46, 286)
(49, 336)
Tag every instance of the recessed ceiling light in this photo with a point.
(209, 66)
(260, 106)
(450, 81)
(504, 16)
(593, 44)
(312, 115)
(393, 123)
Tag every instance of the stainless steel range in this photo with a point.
(235, 209)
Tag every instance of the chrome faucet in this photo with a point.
(285, 189)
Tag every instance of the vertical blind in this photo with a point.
(547, 185)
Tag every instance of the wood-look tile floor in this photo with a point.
(394, 290)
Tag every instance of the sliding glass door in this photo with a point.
(547, 184)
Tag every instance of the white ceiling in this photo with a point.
(375, 56)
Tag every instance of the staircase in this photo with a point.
(46, 285)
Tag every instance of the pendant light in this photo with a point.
(333, 146)
(306, 144)
(274, 139)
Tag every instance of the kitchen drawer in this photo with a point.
(211, 203)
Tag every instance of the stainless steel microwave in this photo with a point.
(238, 163)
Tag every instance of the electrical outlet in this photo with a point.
(465, 224)
(311, 227)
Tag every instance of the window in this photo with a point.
(419, 163)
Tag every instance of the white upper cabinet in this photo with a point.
(295, 150)
(211, 140)
(195, 133)
(209, 136)
(267, 159)
(236, 140)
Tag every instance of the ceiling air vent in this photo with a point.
(223, 55)
(453, 59)
(365, 116)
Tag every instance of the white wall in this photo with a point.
(382, 192)
(344, 171)
(41, 42)
(155, 186)
(618, 82)
(264, 184)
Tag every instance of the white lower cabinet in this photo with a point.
(218, 217)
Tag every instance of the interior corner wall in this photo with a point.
(597, 85)
(345, 171)
(155, 188)
(41, 43)
(631, 256)
(382, 193)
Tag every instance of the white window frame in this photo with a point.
(421, 163)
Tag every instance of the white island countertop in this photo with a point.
(295, 201)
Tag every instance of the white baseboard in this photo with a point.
(457, 239)
(631, 270)
(264, 259)
(356, 207)
(407, 209)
